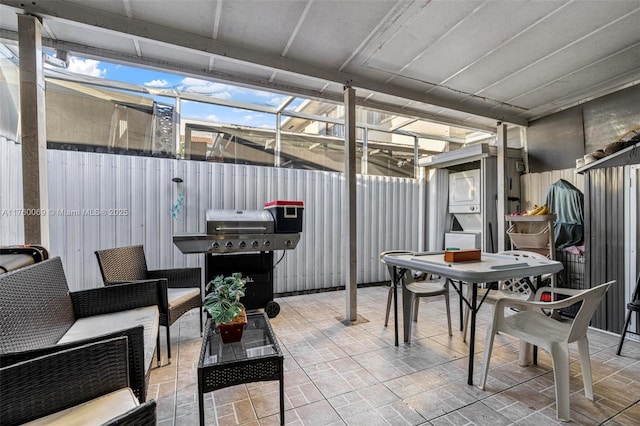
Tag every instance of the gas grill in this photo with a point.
(243, 241)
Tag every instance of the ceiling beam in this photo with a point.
(96, 19)
(413, 112)
(389, 20)
(500, 46)
(552, 53)
(252, 83)
(444, 34)
(294, 33)
(567, 76)
(96, 53)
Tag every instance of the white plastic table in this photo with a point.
(491, 267)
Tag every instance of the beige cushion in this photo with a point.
(177, 296)
(96, 325)
(94, 412)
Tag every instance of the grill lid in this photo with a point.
(239, 222)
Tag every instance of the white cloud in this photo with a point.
(157, 83)
(262, 93)
(222, 90)
(86, 67)
(278, 100)
(217, 90)
(221, 95)
(248, 117)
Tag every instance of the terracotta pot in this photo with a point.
(231, 331)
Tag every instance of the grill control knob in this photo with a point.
(287, 243)
(242, 244)
(215, 245)
(267, 243)
(229, 244)
(255, 244)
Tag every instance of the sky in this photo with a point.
(189, 109)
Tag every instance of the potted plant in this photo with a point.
(223, 304)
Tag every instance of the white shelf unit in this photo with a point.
(549, 249)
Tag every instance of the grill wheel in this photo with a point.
(272, 309)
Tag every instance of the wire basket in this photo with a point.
(529, 234)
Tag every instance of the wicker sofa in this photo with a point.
(41, 316)
(88, 384)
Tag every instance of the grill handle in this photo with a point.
(246, 228)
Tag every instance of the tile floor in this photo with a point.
(354, 375)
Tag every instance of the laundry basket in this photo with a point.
(529, 234)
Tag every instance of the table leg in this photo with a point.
(201, 406)
(526, 348)
(461, 319)
(395, 302)
(472, 336)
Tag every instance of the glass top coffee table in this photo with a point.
(255, 358)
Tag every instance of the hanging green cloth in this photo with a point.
(567, 202)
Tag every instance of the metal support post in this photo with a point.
(33, 129)
(350, 204)
(502, 184)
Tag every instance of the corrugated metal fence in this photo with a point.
(534, 185)
(605, 256)
(101, 200)
(11, 223)
(604, 238)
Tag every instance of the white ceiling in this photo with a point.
(466, 62)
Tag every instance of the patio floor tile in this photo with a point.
(337, 374)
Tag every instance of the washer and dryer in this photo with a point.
(464, 204)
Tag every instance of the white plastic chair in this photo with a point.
(418, 289)
(513, 288)
(535, 327)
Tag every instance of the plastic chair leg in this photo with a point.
(416, 305)
(465, 324)
(585, 365)
(524, 354)
(624, 331)
(560, 358)
(389, 299)
(488, 347)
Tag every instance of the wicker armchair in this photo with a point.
(184, 292)
(89, 382)
(40, 316)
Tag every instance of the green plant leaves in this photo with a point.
(223, 300)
